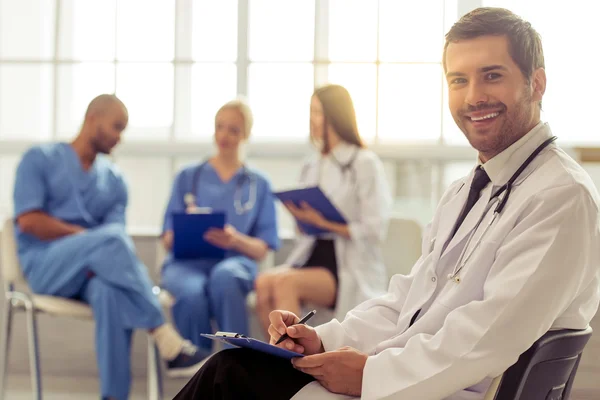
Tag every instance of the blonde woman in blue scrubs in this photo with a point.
(208, 289)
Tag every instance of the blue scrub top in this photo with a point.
(259, 222)
(50, 178)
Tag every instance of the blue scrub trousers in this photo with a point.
(120, 294)
(205, 292)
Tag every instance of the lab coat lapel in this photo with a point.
(471, 220)
(450, 211)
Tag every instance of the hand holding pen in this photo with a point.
(290, 332)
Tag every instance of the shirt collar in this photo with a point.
(504, 165)
(344, 152)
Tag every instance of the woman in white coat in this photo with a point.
(344, 268)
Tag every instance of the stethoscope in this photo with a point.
(504, 189)
(190, 198)
(344, 167)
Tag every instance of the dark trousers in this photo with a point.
(244, 374)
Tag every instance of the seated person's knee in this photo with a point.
(113, 235)
(284, 286)
(263, 287)
(224, 274)
(192, 296)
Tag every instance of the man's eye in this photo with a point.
(492, 76)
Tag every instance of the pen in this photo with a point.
(302, 321)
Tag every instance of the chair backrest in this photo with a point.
(547, 370)
(11, 267)
(402, 246)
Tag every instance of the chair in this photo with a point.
(402, 246)
(544, 372)
(32, 304)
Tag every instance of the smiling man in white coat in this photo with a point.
(513, 251)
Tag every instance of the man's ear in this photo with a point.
(538, 84)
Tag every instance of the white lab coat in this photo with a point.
(536, 269)
(361, 194)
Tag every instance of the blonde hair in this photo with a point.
(241, 105)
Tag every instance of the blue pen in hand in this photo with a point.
(302, 321)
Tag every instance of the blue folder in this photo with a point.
(315, 198)
(188, 235)
(254, 344)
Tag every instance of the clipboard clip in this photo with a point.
(231, 335)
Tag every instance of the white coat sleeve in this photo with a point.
(550, 255)
(375, 200)
(382, 312)
(357, 329)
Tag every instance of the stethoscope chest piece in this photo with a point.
(189, 199)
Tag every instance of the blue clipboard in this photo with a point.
(188, 233)
(249, 343)
(315, 198)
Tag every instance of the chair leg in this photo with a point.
(34, 360)
(155, 383)
(7, 315)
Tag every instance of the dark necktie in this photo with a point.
(480, 180)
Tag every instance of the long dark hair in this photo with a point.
(338, 111)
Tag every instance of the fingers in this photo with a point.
(215, 232)
(281, 319)
(216, 235)
(317, 360)
(213, 239)
(288, 344)
(292, 208)
(305, 206)
(301, 331)
(317, 372)
(274, 335)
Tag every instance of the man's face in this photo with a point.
(108, 127)
(489, 98)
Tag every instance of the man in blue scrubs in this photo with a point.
(70, 205)
(210, 288)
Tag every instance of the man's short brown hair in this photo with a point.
(524, 43)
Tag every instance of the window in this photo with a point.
(212, 86)
(79, 83)
(348, 41)
(279, 95)
(178, 64)
(145, 30)
(410, 102)
(215, 30)
(361, 82)
(394, 79)
(31, 21)
(81, 22)
(147, 91)
(280, 73)
(24, 101)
